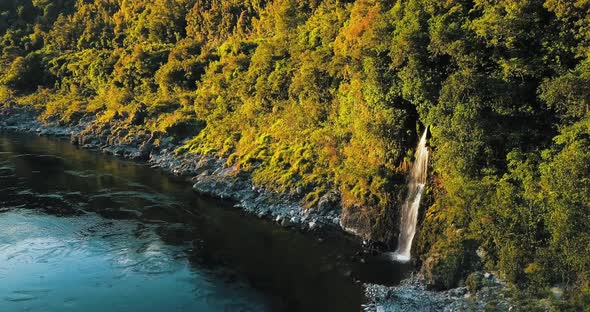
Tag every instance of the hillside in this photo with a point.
(328, 96)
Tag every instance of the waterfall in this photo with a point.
(409, 211)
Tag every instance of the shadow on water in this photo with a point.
(113, 209)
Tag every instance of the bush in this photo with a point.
(26, 73)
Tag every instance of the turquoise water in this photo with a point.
(88, 264)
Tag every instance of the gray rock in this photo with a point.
(328, 202)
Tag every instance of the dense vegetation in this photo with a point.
(320, 95)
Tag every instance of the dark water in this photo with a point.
(80, 231)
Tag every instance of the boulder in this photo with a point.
(449, 265)
(329, 202)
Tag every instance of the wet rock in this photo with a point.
(286, 222)
(74, 140)
(413, 295)
(354, 223)
(146, 148)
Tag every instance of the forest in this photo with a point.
(311, 96)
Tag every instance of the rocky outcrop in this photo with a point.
(356, 224)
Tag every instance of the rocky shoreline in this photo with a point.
(487, 294)
(210, 175)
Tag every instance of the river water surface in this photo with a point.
(81, 231)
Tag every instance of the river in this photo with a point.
(82, 231)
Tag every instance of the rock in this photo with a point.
(474, 282)
(145, 149)
(285, 222)
(457, 292)
(354, 223)
(436, 274)
(450, 266)
(328, 202)
(166, 143)
(312, 225)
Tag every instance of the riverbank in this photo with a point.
(209, 175)
(50, 185)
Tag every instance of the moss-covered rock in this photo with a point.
(450, 263)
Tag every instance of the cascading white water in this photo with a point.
(409, 211)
